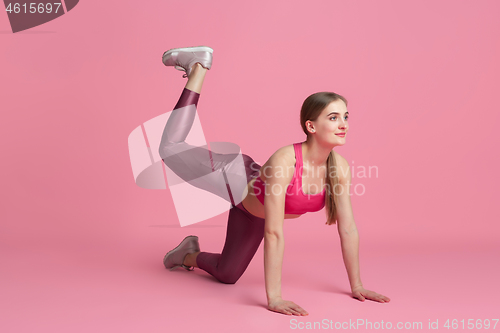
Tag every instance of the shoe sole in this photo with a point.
(177, 247)
(189, 49)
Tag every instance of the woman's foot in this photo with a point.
(196, 78)
(184, 58)
(190, 259)
(175, 258)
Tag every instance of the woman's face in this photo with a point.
(331, 123)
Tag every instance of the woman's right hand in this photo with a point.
(286, 307)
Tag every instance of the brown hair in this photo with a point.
(311, 109)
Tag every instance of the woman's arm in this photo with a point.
(274, 247)
(278, 176)
(348, 232)
(274, 207)
(349, 237)
(350, 254)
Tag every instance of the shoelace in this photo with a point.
(180, 68)
(185, 75)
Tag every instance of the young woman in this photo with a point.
(298, 178)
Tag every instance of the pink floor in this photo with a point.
(125, 288)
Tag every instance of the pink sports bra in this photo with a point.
(296, 201)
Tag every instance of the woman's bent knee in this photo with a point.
(171, 149)
(229, 277)
(229, 280)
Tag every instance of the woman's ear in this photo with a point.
(310, 126)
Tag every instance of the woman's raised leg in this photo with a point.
(244, 231)
(191, 163)
(222, 174)
(180, 121)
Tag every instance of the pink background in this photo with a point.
(81, 244)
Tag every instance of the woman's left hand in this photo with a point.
(361, 293)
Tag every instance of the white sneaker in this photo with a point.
(184, 58)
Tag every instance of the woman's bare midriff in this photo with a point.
(255, 207)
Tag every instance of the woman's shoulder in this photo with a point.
(283, 159)
(284, 155)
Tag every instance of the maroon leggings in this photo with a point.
(244, 230)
